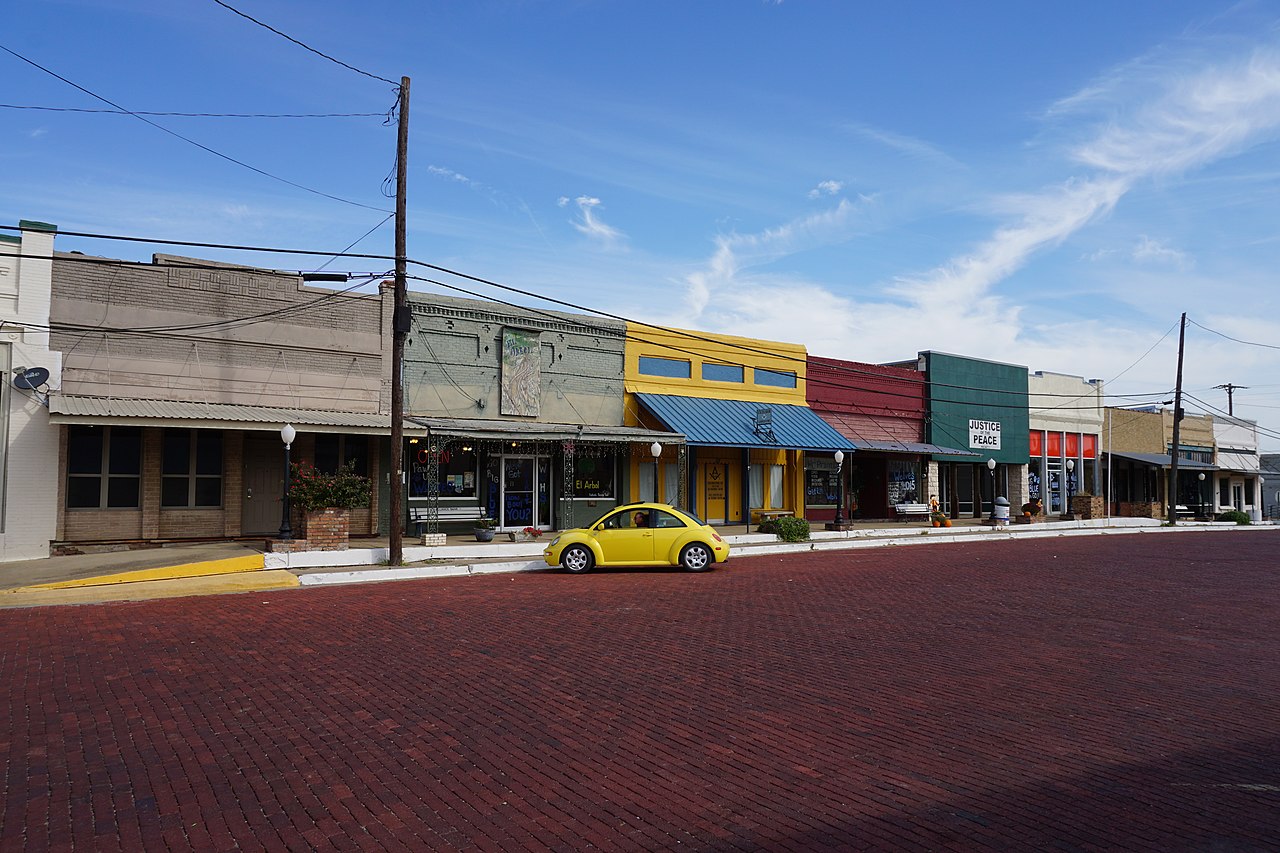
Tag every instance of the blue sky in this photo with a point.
(1044, 184)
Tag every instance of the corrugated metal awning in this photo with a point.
(1163, 460)
(480, 428)
(732, 423)
(910, 447)
(849, 430)
(72, 409)
(1245, 463)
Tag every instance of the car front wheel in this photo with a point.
(577, 559)
(696, 557)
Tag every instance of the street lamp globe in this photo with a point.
(288, 434)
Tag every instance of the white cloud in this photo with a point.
(1183, 120)
(449, 174)
(1149, 250)
(1195, 116)
(914, 148)
(826, 188)
(38, 132)
(590, 224)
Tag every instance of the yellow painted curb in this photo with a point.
(230, 565)
(140, 590)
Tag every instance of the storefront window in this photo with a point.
(593, 477)
(191, 468)
(757, 486)
(903, 478)
(457, 477)
(775, 486)
(104, 467)
(821, 484)
(333, 451)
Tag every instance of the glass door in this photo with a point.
(526, 492)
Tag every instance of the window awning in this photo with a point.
(910, 447)
(1163, 460)
(734, 423)
(852, 431)
(1245, 463)
(499, 430)
(75, 409)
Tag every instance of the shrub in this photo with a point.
(310, 489)
(1233, 515)
(791, 529)
(486, 524)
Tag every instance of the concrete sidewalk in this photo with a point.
(210, 568)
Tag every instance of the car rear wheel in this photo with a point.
(696, 557)
(577, 559)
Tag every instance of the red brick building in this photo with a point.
(881, 410)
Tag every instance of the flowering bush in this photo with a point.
(532, 531)
(310, 489)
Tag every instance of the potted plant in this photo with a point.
(484, 529)
(525, 534)
(326, 501)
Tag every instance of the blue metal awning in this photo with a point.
(737, 423)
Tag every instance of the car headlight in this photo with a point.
(553, 542)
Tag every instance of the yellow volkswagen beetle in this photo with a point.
(641, 534)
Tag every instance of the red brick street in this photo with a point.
(1090, 693)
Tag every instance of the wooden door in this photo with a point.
(262, 501)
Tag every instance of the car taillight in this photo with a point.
(716, 536)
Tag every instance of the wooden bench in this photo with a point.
(904, 512)
(763, 515)
(445, 514)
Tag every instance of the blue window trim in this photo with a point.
(777, 378)
(726, 372)
(668, 367)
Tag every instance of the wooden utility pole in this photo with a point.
(1231, 389)
(1177, 420)
(399, 331)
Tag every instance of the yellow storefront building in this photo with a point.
(740, 403)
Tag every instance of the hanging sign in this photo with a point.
(984, 435)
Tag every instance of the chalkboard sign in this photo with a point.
(821, 487)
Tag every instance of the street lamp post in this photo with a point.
(839, 519)
(656, 450)
(1200, 494)
(1071, 467)
(287, 435)
(991, 466)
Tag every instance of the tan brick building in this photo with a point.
(177, 378)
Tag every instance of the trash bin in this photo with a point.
(1001, 514)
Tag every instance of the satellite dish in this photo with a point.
(31, 378)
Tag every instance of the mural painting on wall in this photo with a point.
(521, 372)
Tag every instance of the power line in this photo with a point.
(1236, 340)
(354, 242)
(1264, 430)
(188, 140)
(690, 335)
(290, 38)
(185, 115)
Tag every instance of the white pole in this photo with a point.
(1110, 487)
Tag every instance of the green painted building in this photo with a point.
(979, 406)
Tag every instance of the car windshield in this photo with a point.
(691, 517)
